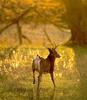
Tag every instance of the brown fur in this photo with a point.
(46, 65)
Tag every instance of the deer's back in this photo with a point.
(41, 65)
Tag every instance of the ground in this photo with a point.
(16, 81)
(21, 88)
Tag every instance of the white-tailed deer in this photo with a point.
(45, 65)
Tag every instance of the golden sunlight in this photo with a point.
(27, 1)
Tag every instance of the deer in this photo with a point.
(45, 65)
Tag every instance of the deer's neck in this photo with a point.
(52, 60)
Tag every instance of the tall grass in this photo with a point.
(16, 75)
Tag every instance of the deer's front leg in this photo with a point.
(33, 76)
(39, 79)
(52, 78)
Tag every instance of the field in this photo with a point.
(16, 74)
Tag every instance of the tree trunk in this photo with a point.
(78, 36)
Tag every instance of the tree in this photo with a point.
(76, 19)
(37, 13)
(64, 14)
(11, 14)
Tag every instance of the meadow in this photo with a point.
(16, 74)
(27, 28)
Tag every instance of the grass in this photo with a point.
(22, 89)
(16, 84)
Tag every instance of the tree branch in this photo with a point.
(25, 37)
(14, 21)
(19, 32)
(6, 27)
(47, 36)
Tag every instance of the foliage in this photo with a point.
(34, 12)
(76, 19)
(64, 14)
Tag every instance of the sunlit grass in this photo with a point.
(23, 56)
(16, 75)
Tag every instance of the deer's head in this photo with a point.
(53, 52)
